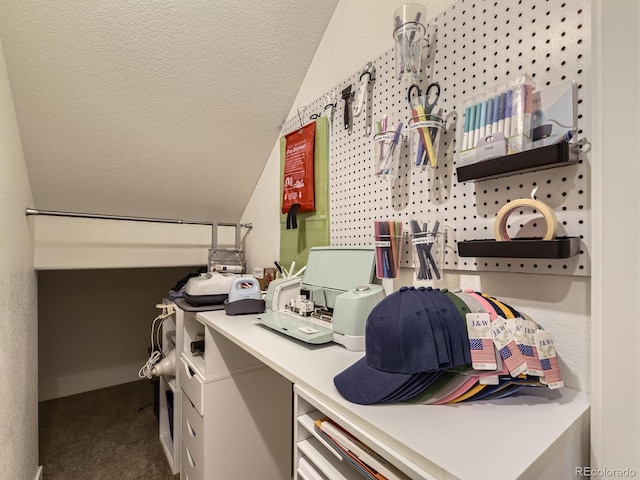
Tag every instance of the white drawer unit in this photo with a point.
(192, 384)
(315, 459)
(190, 470)
(236, 412)
(220, 357)
(193, 430)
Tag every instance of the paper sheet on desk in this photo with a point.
(296, 327)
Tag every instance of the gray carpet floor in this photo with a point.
(106, 434)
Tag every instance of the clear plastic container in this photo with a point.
(387, 147)
(408, 34)
(424, 140)
(388, 246)
(428, 254)
(388, 249)
(497, 121)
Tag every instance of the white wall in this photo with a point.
(615, 439)
(64, 243)
(18, 321)
(76, 243)
(94, 325)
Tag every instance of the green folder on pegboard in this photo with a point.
(313, 227)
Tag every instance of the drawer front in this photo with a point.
(192, 384)
(193, 431)
(189, 469)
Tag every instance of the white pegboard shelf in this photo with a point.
(474, 45)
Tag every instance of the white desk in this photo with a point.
(518, 437)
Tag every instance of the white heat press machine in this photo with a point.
(209, 288)
(331, 302)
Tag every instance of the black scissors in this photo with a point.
(430, 98)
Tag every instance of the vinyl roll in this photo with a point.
(500, 224)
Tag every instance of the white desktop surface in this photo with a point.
(491, 439)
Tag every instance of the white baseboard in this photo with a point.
(63, 387)
(39, 474)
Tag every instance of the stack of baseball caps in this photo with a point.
(432, 346)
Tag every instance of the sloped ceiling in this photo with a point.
(154, 108)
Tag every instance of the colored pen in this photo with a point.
(496, 114)
(476, 131)
(507, 113)
(389, 157)
(528, 109)
(420, 151)
(472, 126)
(427, 139)
(487, 130)
(483, 119)
(522, 98)
(465, 134)
(421, 133)
(413, 33)
(501, 110)
(515, 105)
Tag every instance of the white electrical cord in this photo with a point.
(146, 371)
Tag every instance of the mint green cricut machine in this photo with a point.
(331, 302)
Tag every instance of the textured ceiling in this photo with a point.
(155, 108)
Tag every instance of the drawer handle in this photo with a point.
(190, 458)
(190, 371)
(192, 432)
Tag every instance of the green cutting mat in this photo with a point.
(313, 227)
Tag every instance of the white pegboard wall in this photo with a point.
(474, 45)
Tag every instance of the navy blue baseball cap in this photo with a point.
(400, 348)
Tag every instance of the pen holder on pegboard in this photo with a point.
(424, 140)
(428, 254)
(388, 246)
(408, 35)
(387, 146)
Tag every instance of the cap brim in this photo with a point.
(413, 387)
(365, 385)
(446, 383)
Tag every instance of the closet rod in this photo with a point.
(34, 211)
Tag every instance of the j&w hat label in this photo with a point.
(548, 360)
(509, 352)
(525, 331)
(483, 355)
